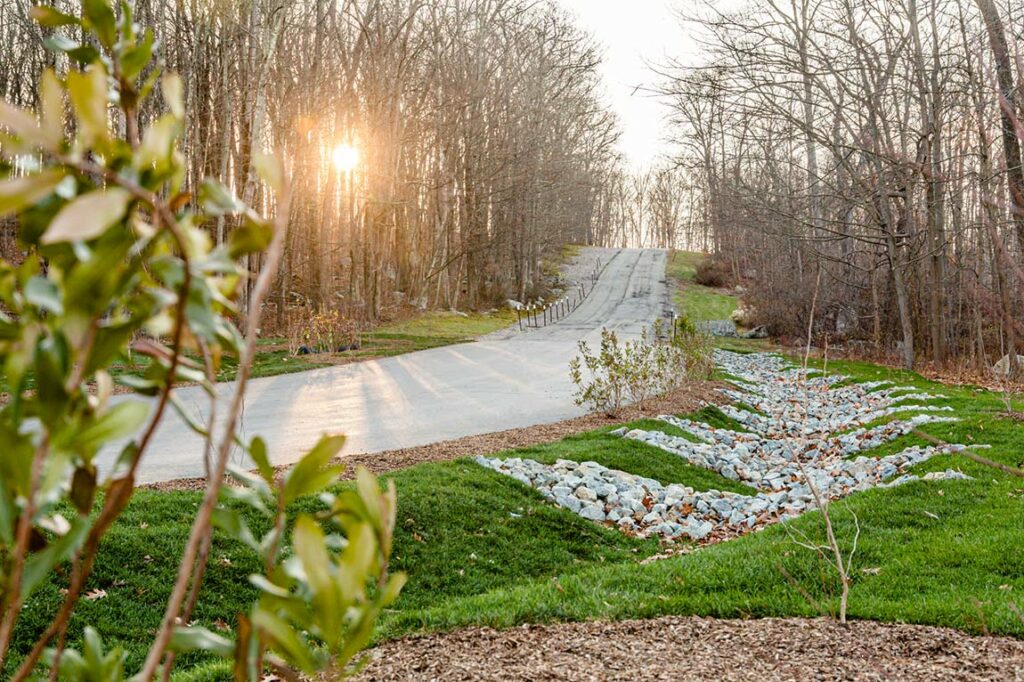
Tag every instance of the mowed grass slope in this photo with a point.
(697, 302)
(481, 548)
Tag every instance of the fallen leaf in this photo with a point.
(93, 595)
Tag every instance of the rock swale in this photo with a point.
(805, 437)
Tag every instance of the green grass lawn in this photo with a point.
(698, 303)
(427, 330)
(481, 548)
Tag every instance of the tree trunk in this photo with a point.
(1008, 110)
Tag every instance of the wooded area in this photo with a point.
(858, 164)
(438, 150)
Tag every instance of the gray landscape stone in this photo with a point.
(784, 452)
(723, 328)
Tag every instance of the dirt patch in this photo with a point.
(694, 648)
(681, 401)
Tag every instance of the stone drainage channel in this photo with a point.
(805, 433)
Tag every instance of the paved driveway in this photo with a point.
(507, 381)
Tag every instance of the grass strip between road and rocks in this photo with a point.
(482, 549)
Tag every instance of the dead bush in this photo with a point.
(713, 272)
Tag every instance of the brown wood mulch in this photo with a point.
(681, 401)
(694, 648)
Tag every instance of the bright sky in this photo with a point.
(633, 32)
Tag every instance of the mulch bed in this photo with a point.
(693, 648)
(681, 401)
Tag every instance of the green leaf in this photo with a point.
(101, 18)
(174, 94)
(51, 363)
(43, 294)
(121, 420)
(19, 193)
(250, 237)
(48, 17)
(88, 92)
(235, 526)
(83, 489)
(200, 639)
(308, 541)
(253, 490)
(270, 170)
(21, 122)
(8, 514)
(216, 199)
(158, 143)
(88, 216)
(40, 564)
(51, 97)
(258, 452)
(308, 475)
(83, 54)
(135, 59)
(285, 640)
(263, 584)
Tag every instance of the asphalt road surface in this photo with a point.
(510, 380)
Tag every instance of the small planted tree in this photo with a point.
(118, 261)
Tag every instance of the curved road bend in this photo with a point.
(509, 380)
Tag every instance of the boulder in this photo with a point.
(1002, 368)
(723, 328)
(697, 530)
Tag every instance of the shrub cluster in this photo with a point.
(714, 272)
(326, 332)
(636, 370)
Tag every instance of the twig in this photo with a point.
(802, 590)
(201, 526)
(1005, 468)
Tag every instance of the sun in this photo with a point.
(345, 157)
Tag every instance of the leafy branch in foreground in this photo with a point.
(117, 262)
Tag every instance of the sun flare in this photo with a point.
(346, 157)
